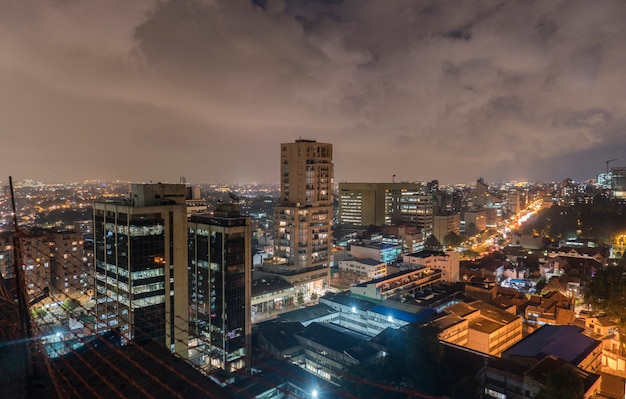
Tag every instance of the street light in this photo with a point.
(314, 393)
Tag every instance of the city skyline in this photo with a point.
(148, 90)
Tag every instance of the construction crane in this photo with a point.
(608, 162)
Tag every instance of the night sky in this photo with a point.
(452, 90)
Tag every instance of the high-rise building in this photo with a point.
(303, 218)
(220, 285)
(618, 182)
(379, 204)
(67, 262)
(446, 223)
(481, 194)
(35, 252)
(140, 258)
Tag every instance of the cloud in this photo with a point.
(447, 90)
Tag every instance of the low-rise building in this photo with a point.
(271, 292)
(447, 262)
(388, 253)
(565, 342)
(552, 308)
(490, 329)
(329, 349)
(366, 268)
(395, 284)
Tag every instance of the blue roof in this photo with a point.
(402, 315)
(565, 342)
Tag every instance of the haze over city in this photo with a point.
(148, 90)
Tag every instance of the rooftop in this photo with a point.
(484, 325)
(565, 342)
(332, 336)
(426, 254)
(347, 300)
(398, 314)
(269, 284)
(307, 313)
(366, 261)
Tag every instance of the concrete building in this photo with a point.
(552, 308)
(618, 182)
(366, 268)
(379, 204)
(140, 258)
(388, 253)
(446, 223)
(329, 349)
(476, 218)
(220, 289)
(271, 292)
(6, 255)
(67, 262)
(565, 342)
(396, 284)
(481, 197)
(447, 262)
(493, 216)
(303, 218)
(51, 260)
(490, 329)
(35, 251)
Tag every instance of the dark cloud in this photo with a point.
(151, 90)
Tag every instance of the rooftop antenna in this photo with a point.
(607, 163)
(393, 178)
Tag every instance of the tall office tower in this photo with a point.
(140, 258)
(220, 286)
(481, 194)
(618, 182)
(303, 218)
(381, 204)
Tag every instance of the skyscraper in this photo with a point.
(220, 273)
(303, 218)
(140, 252)
(386, 204)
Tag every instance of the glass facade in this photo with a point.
(130, 273)
(219, 291)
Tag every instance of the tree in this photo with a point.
(469, 254)
(314, 296)
(432, 244)
(563, 383)
(300, 298)
(607, 292)
(471, 229)
(452, 239)
(70, 304)
(39, 312)
(540, 284)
